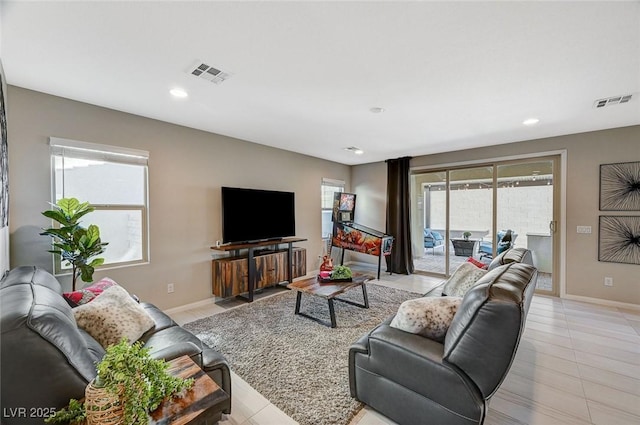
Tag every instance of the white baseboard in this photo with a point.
(600, 301)
(197, 304)
(212, 300)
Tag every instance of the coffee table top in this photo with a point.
(329, 289)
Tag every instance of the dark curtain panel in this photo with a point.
(398, 223)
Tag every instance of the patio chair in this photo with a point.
(505, 238)
(433, 239)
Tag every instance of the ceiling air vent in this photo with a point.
(615, 100)
(208, 72)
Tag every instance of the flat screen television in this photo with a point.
(252, 215)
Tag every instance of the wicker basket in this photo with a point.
(102, 407)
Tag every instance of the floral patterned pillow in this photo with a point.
(89, 293)
(112, 316)
(427, 316)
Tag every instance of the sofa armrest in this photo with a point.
(179, 349)
(416, 363)
(217, 368)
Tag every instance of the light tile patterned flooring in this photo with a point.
(577, 364)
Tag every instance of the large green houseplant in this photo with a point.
(138, 382)
(73, 242)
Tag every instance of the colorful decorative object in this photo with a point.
(620, 186)
(327, 263)
(619, 239)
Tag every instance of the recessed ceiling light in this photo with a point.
(531, 121)
(376, 110)
(176, 92)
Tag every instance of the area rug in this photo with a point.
(299, 365)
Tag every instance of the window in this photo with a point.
(329, 187)
(114, 181)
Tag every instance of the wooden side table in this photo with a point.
(201, 405)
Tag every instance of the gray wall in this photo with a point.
(585, 153)
(186, 170)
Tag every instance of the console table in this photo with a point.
(244, 273)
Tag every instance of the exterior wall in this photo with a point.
(585, 152)
(187, 167)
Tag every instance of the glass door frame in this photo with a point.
(558, 229)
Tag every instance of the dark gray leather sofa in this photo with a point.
(415, 380)
(45, 359)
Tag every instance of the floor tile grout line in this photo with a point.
(531, 404)
(581, 375)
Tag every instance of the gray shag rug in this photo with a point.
(299, 365)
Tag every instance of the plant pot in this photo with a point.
(102, 407)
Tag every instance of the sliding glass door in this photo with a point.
(479, 211)
(525, 206)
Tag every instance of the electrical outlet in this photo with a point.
(608, 281)
(170, 288)
(583, 229)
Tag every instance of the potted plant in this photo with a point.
(466, 235)
(73, 242)
(135, 382)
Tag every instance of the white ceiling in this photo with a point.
(304, 75)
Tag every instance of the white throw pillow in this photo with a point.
(113, 315)
(427, 316)
(463, 279)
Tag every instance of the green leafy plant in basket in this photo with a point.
(466, 235)
(138, 382)
(74, 243)
(341, 272)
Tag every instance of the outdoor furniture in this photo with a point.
(464, 247)
(433, 239)
(505, 238)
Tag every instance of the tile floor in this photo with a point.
(577, 364)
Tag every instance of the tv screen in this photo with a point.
(251, 215)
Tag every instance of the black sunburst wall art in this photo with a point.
(619, 239)
(620, 187)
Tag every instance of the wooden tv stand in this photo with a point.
(245, 272)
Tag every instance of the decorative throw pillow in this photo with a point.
(463, 279)
(477, 263)
(87, 294)
(427, 316)
(112, 316)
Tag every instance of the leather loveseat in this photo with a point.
(416, 380)
(45, 359)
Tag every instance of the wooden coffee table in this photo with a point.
(201, 405)
(330, 291)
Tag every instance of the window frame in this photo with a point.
(106, 153)
(330, 183)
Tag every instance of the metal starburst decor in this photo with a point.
(620, 187)
(619, 239)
